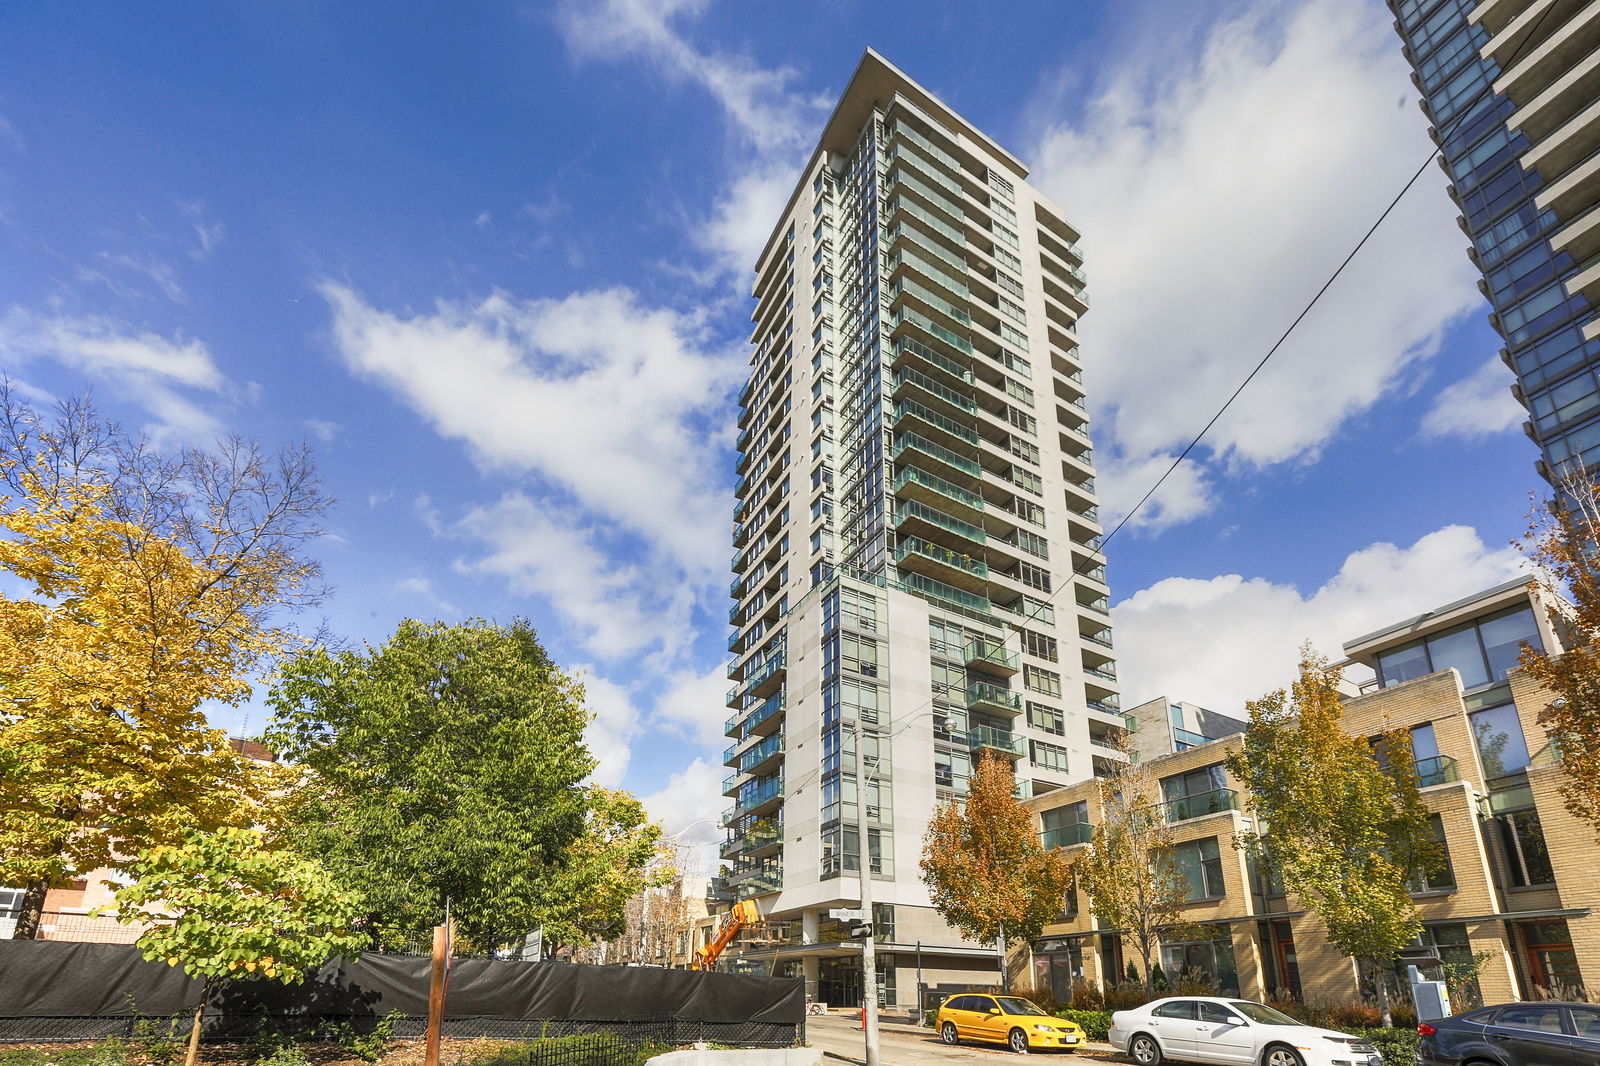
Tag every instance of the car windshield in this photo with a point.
(1013, 1005)
(1264, 1015)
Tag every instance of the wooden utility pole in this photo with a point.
(436, 987)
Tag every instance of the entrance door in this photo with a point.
(1283, 951)
(1552, 962)
(839, 982)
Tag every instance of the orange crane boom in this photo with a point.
(743, 913)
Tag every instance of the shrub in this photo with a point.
(1195, 983)
(112, 1051)
(1125, 996)
(290, 1054)
(1096, 1024)
(368, 1047)
(161, 1040)
(1086, 995)
(1397, 1046)
(618, 1052)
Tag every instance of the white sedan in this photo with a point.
(1222, 1030)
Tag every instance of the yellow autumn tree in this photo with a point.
(139, 587)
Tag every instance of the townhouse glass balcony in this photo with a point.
(1198, 806)
(1436, 770)
(1067, 835)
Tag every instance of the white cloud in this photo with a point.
(769, 119)
(208, 232)
(1216, 195)
(422, 588)
(145, 367)
(158, 273)
(1479, 405)
(695, 703)
(1228, 639)
(608, 399)
(616, 723)
(322, 429)
(619, 608)
(692, 795)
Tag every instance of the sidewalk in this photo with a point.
(901, 1025)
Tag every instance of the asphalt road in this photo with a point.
(899, 1044)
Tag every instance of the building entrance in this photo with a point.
(839, 982)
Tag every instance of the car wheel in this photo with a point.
(1018, 1040)
(1282, 1055)
(1145, 1051)
(948, 1034)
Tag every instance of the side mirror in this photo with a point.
(994, 1010)
(1233, 1019)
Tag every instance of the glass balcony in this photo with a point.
(910, 378)
(928, 588)
(761, 836)
(936, 198)
(760, 798)
(1213, 802)
(910, 546)
(905, 134)
(960, 431)
(982, 696)
(987, 738)
(720, 890)
(760, 719)
(1100, 606)
(937, 489)
(1436, 770)
(910, 442)
(761, 885)
(926, 219)
(1189, 737)
(763, 679)
(911, 347)
(941, 304)
(1101, 672)
(1067, 835)
(990, 655)
(908, 257)
(904, 315)
(907, 510)
(730, 784)
(757, 757)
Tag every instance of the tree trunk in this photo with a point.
(1383, 995)
(1005, 978)
(31, 915)
(1149, 973)
(194, 1030)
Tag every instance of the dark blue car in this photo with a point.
(1514, 1034)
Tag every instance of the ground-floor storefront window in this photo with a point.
(1210, 959)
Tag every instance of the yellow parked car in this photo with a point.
(1008, 1020)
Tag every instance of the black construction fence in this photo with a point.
(54, 992)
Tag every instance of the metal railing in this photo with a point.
(1214, 802)
(1067, 835)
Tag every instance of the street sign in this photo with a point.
(862, 931)
(844, 914)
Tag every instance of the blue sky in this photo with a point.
(492, 260)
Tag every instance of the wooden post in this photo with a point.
(441, 957)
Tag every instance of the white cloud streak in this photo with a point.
(151, 370)
(1224, 640)
(1215, 198)
(1479, 405)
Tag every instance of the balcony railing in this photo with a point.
(1213, 802)
(910, 442)
(761, 885)
(934, 388)
(1436, 770)
(1189, 737)
(763, 835)
(756, 797)
(905, 509)
(1067, 835)
(928, 588)
(912, 346)
(983, 696)
(987, 654)
(911, 409)
(991, 739)
(910, 545)
(945, 489)
(759, 754)
(762, 712)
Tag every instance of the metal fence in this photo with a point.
(77, 927)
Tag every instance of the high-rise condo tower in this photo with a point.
(917, 541)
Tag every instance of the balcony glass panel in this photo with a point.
(995, 740)
(938, 553)
(1218, 799)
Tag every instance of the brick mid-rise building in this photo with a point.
(1520, 883)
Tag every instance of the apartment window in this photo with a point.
(1047, 719)
(1027, 510)
(1048, 756)
(1497, 733)
(1024, 450)
(1040, 646)
(1441, 877)
(1200, 863)
(1527, 857)
(1483, 651)
(1031, 543)
(1008, 283)
(1033, 576)
(1005, 236)
(1013, 336)
(859, 655)
(1027, 480)
(1008, 257)
(1018, 391)
(1212, 958)
(1008, 307)
(1044, 682)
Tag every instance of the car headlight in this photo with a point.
(1044, 1028)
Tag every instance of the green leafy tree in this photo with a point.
(141, 585)
(1561, 545)
(226, 904)
(443, 767)
(986, 871)
(1128, 870)
(617, 858)
(1343, 830)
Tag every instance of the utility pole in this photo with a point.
(869, 960)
